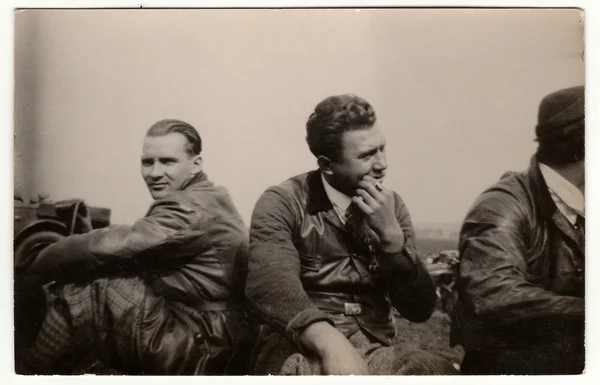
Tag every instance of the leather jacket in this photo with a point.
(521, 278)
(306, 266)
(190, 250)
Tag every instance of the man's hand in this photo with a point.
(378, 204)
(337, 354)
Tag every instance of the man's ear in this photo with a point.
(324, 165)
(197, 164)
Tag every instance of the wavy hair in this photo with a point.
(332, 118)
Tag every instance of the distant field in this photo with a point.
(433, 245)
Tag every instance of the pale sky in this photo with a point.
(456, 93)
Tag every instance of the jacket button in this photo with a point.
(367, 240)
(199, 338)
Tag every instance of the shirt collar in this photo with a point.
(567, 197)
(339, 199)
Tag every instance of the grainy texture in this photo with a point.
(431, 336)
(434, 245)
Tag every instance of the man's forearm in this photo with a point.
(411, 289)
(392, 241)
(317, 337)
(523, 303)
(496, 286)
(413, 295)
(337, 354)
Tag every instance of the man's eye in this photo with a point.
(146, 163)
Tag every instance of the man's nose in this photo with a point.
(380, 161)
(156, 171)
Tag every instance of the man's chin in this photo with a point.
(159, 194)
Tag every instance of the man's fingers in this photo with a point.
(367, 198)
(362, 205)
(376, 182)
(371, 188)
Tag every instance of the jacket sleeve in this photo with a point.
(163, 227)
(493, 283)
(273, 287)
(410, 287)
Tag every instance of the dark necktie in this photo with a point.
(353, 219)
(361, 233)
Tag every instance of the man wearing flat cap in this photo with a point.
(522, 249)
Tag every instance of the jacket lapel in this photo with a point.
(565, 227)
(318, 202)
(547, 206)
(333, 219)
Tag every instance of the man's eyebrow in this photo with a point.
(368, 152)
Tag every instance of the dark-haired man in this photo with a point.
(522, 249)
(331, 252)
(159, 297)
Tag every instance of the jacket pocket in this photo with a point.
(310, 263)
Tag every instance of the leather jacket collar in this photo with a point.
(317, 200)
(539, 190)
(193, 180)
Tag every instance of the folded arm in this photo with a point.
(83, 253)
(411, 288)
(493, 280)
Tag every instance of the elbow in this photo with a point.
(478, 307)
(422, 310)
(420, 307)
(420, 315)
(490, 309)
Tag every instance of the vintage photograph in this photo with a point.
(340, 191)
